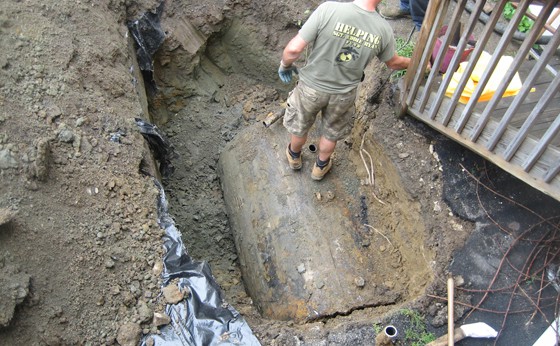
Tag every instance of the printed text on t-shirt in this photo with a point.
(356, 37)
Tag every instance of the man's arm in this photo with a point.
(398, 62)
(293, 50)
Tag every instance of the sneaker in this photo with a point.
(319, 173)
(295, 164)
(394, 13)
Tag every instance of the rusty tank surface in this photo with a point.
(304, 250)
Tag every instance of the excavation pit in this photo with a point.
(293, 248)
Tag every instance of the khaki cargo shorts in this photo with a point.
(337, 111)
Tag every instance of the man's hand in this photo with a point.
(285, 72)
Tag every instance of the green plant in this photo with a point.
(406, 49)
(416, 334)
(524, 25)
(509, 11)
(377, 327)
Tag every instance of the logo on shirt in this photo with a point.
(347, 54)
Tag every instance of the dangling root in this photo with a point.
(370, 172)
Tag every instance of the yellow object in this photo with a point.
(493, 83)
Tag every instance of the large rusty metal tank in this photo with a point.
(303, 247)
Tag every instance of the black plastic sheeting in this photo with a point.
(159, 144)
(149, 36)
(203, 318)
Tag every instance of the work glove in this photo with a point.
(285, 72)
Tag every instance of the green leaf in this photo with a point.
(524, 25)
(509, 10)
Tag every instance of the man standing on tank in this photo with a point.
(345, 37)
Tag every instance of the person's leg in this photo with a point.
(418, 11)
(326, 148)
(405, 6)
(323, 163)
(297, 142)
(336, 123)
(293, 151)
(301, 111)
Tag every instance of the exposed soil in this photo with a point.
(80, 245)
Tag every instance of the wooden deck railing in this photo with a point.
(519, 133)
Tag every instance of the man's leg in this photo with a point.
(418, 11)
(299, 117)
(293, 151)
(326, 148)
(405, 6)
(323, 163)
(297, 143)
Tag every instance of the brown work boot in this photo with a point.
(394, 13)
(296, 163)
(319, 173)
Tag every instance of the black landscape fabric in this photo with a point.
(202, 318)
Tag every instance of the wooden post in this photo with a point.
(450, 317)
(431, 12)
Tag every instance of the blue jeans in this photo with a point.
(417, 9)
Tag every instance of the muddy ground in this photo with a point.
(80, 246)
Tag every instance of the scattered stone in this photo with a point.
(158, 268)
(100, 301)
(459, 281)
(150, 341)
(40, 167)
(65, 134)
(129, 334)
(248, 110)
(115, 290)
(6, 215)
(54, 112)
(437, 207)
(360, 282)
(80, 121)
(440, 318)
(301, 268)
(7, 160)
(135, 288)
(145, 313)
(161, 319)
(14, 288)
(172, 294)
(109, 263)
(129, 299)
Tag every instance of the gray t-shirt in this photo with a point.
(345, 38)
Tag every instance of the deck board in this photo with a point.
(540, 168)
(543, 121)
(527, 157)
